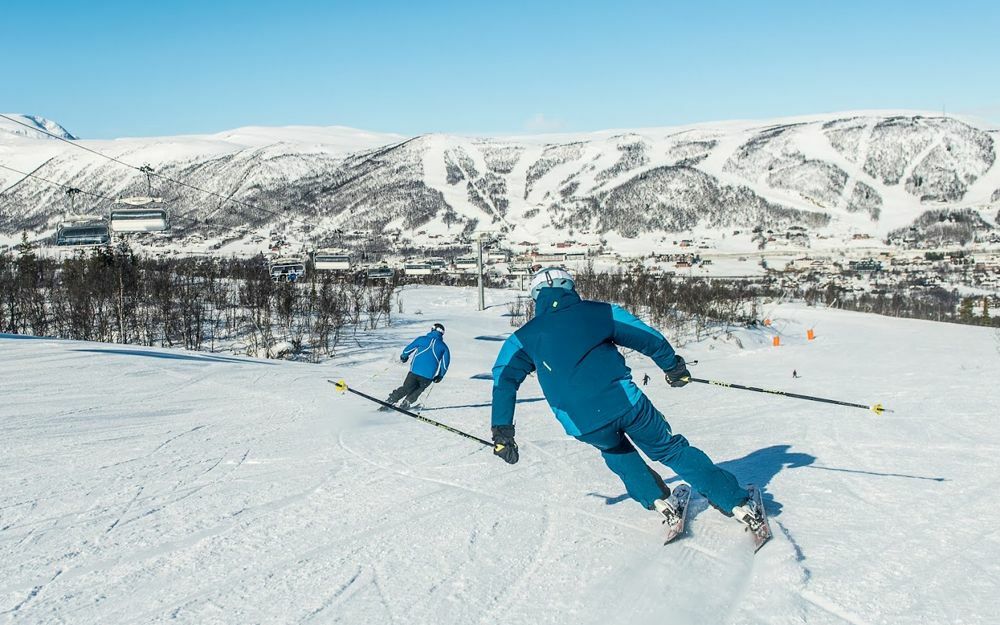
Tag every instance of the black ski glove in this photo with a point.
(503, 443)
(404, 358)
(677, 376)
(437, 379)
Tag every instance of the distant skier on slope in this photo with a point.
(431, 358)
(571, 343)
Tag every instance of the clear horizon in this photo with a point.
(119, 70)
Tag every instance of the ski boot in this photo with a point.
(752, 515)
(748, 514)
(673, 509)
(669, 507)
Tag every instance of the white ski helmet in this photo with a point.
(550, 276)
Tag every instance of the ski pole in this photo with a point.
(876, 408)
(427, 397)
(341, 386)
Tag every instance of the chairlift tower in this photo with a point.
(482, 239)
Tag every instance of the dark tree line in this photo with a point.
(696, 307)
(691, 307)
(901, 300)
(113, 295)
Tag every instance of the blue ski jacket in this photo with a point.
(429, 356)
(572, 343)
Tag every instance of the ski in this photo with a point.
(403, 406)
(760, 530)
(675, 524)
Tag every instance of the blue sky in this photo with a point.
(110, 69)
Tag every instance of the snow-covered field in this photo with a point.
(142, 485)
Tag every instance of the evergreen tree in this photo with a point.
(965, 310)
(25, 246)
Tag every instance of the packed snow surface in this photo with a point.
(142, 485)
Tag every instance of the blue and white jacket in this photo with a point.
(429, 356)
(572, 343)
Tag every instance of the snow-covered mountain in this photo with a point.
(836, 173)
(9, 129)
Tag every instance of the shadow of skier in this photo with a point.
(760, 467)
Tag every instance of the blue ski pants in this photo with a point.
(650, 432)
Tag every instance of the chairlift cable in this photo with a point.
(53, 182)
(148, 171)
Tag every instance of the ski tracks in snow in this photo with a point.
(714, 554)
(124, 511)
(240, 493)
(173, 438)
(32, 594)
(831, 608)
(339, 596)
(516, 590)
(524, 571)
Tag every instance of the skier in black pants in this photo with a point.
(431, 358)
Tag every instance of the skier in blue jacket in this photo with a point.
(431, 358)
(572, 344)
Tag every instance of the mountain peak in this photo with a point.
(41, 125)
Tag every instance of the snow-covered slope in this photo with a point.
(141, 485)
(871, 172)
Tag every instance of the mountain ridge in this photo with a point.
(834, 173)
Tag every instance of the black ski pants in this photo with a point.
(411, 388)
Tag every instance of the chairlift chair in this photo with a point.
(331, 260)
(139, 214)
(287, 269)
(381, 273)
(83, 231)
(418, 269)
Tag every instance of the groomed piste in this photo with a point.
(147, 485)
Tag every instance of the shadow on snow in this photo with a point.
(204, 358)
(758, 467)
(499, 338)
